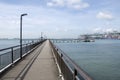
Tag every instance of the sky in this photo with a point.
(58, 18)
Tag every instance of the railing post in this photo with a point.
(61, 62)
(74, 74)
(0, 62)
(26, 48)
(12, 57)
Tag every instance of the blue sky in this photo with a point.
(58, 18)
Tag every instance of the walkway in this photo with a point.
(44, 67)
(39, 65)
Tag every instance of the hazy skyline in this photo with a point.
(58, 18)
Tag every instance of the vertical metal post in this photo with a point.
(61, 62)
(26, 48)
(12, 57)
(74, 75)
(0, 62)
(21, 37)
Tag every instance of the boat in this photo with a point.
(88, 40)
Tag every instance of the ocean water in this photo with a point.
(8, 43)
(100, 59)
(13, 42)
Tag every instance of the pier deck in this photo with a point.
(38, 65)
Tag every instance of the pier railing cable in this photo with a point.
(70, 70)
(9, 56)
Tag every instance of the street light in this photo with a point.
(21, 34)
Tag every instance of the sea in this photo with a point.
(6, 43)
(100, 59)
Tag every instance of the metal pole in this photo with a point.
(21, 37)
(12, 56)
(21, 34)
(75, 74)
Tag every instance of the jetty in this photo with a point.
(65, 40)
(40, 61)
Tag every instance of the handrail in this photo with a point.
(8, 58)
(9, 48)
(14, 46)
(80, 70)
(77, 72)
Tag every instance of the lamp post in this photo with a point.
(21, 34)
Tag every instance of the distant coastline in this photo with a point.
(17, 39)
(9, 39)
(3, 38)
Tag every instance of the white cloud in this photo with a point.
(49, 21)
(50, 4)
(36, 21)
(74, 1)
(75, 4)
(80, 6)
(56, 3)
(104, 15)
(39, 19)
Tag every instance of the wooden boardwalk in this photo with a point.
(38, 65)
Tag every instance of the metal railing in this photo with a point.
(9, 56)
(69, 69)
